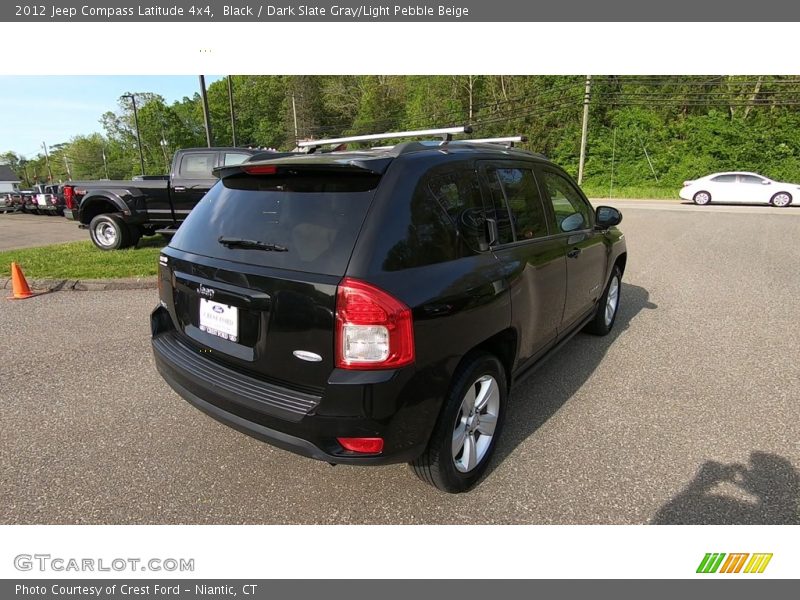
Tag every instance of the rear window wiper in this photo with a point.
(230, 242)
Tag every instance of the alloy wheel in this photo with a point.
(475, 424)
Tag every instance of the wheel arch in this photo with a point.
(503, 345)
(787, 192)
(92, 206)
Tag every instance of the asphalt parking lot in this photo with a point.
(19, 230)
(688, 412)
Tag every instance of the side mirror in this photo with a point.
(607, 216)
(765, 182)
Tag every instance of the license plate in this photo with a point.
(219, 319)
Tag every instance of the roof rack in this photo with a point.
(446, 133)
(507, 141)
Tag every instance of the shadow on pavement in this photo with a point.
(572, 365)
(768, 494)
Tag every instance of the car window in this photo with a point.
(197, 166)
(750, 179)
(571, 211)
(724, 179)
(447, 220)
(516, 189)
(458, 193)
(314, 216)
(235, 158)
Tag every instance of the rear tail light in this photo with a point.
(373, 329)
(363, 445)
(261, 170)
(69, 198)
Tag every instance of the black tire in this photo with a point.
(783, 196)
(437, 465)
(601, 324)
(109, 232)
(702, 198)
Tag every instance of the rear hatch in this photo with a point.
(250, 277)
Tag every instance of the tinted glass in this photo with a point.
(498, 209)
(524, 203)
(459, 195)
(724, 179)
(235, 158)
(447, 220)
(567, 202)
(750, 179)
(317, 217)
(197, 166)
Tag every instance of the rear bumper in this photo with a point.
(260, 432)
(72, 214)
(295, 421)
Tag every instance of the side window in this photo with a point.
(724, 179)
(458, 193)
(516, 188)
(197, 166)
(235, 158)
(446, 221)
(571, 211)
(750, 179)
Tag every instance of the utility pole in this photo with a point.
(613, 153)
(294, 112)
(138, 134)
(66, 164)
(47, 160)
(585, 127)
(230, 102)
(206, 117)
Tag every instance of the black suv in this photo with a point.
(372, 307)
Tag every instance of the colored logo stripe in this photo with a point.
(758, 563)
(710, 562)
(733, 564)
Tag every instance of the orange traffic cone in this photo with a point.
(19, 284)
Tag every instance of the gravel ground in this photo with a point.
(18, 230)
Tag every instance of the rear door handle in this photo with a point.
(574, 253)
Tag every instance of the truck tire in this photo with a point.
(110, 232)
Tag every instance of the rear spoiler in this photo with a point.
(292, 162)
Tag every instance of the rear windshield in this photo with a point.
(316, 217)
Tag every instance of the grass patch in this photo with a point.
(81, 260)
(638, 192)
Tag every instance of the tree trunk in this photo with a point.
(756, 90)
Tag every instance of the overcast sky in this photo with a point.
(54, 109)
